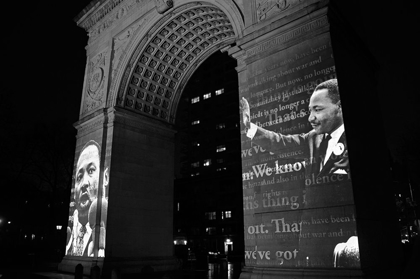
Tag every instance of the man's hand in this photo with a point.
(245, 112)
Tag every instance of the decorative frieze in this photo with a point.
(266, 9)
(106, 16)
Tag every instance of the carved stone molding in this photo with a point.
(162, 59)
(285, 37)
(95, 89)
(239, 55)
(142, 125)
(91, 125)
(90, 20)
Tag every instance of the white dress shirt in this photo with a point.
(335, 136)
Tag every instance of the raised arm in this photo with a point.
(269, 140)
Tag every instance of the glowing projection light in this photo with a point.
(86, 229)
(295, 162)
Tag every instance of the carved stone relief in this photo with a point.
(95, 83)
(163, 5)
(268, 8)
(120, 43)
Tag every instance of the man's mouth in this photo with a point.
(84, 199)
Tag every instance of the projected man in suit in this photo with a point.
(326, 156)
(85, 195)
(325, 144)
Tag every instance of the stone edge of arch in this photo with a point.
(142, 35)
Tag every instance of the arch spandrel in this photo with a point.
(154, 74)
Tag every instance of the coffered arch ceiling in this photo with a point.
(166, 58)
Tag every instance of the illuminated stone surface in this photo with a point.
(139, 58)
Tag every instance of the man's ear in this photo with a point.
(105, 183)
(106, 177)
(339, 104)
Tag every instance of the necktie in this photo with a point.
(79, 245)
(323, 150)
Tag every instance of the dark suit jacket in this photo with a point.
(274, 142)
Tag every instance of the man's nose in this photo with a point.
(85, 182)
(311, 117)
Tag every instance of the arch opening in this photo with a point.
(208, 190)
(167, 56)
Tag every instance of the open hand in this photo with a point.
(245, 112)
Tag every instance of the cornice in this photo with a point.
(99, 9)
(90, 124)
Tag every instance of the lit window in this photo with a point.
(178, 207)
(220, 169)
(195, 164)
(195, 122)
(220, 148)
(228, 214)
(210, 230)
(195, 100)
(220, 91)
(206, 96)
(211, 215)
(196, 143)
(207, 162)
(220, 126)
(195, 174)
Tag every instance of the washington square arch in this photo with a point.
(305, 216)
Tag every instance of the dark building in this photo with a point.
(208, 191)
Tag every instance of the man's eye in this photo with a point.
(78, 178)
(91, 170)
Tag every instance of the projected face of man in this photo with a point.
(87, 179)
(325, 116)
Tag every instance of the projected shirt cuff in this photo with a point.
(252, 131)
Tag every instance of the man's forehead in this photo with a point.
(90, 153)
(320, 96)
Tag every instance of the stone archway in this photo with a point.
(132, 91)
(164, 59)
(132, 87)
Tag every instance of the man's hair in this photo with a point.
(332, 87)
(89, 143)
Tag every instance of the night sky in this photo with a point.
(45, 60)
(43, 55)
(43, 63)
